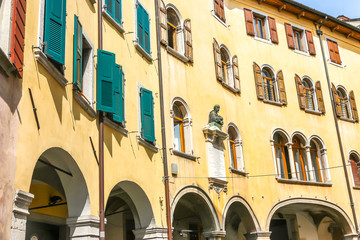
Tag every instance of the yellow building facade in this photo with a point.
(259, 129)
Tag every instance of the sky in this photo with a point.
(349, 8)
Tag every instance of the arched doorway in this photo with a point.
(128, 212)
(60, 197)
(194, 216)
(239, 220)
(311, 219)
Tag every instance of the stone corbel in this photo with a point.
(218, 185)
(213, 134)
(213, 235)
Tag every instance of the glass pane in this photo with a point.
(315, 165)
(261, 32)
(177, 139)
(298, 166)
(279, 162)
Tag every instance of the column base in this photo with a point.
(84, 227)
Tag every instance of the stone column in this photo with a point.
(325, 165)
(151, 233)
(258, 236)
(310, 165)
(291, 160)
(22, 201)
(84, 227)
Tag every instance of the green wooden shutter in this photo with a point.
(54, 30)
(147, 115)
(140, 23)
(146, 31)
(109, 6)
(105, 81)
(118, 91)
(117, 11)
(78, 58)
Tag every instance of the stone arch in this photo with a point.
(282, 132)
(320, 143)
(301, 136)
(192, 199)
(318, 209)
(58, 180)
(237, 205)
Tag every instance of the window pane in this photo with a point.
(298, 166)
(279, 162)
(177, 139)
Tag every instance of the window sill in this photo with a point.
(5, 64)
(84, 104)
(356, 187)
(219, 19)
(93, 1)
(108, 122)
(176, 54)
(45, 62)
(184, 155)
(300, 182)
(336, 64)
(117, 25)
(146, 144)
(273, 103)
(347, 119)
(313, 112)
(268, 41)
(142, 51)
(302, 53)
(238, 172)
(234, 90)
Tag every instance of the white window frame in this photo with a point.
(322, 155)
(277, 93)
(328, 52)
(118, 26)
(188, 139)
(6, 15)
(315, 99)
(266, 26)
(214, 15)
(304, 40)
(238, 149)
(180, 31)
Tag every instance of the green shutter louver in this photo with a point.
(78, 58)
(143, 30)
(147, 115)
(119, 93)
(54, 30)
(113, 8)
(105, 81)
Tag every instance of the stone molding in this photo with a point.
(84, 227)
(151, 233)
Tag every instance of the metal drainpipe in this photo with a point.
(101, 139)
(320, 33)
(163, 133)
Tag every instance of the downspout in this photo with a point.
(101, 139)
(320, 33)
(163, 133)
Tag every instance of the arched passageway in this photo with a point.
(61, 198)
(309, 219)
(128, 212)
(194, 216)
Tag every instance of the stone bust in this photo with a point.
(214, 117)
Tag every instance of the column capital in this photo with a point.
(151, 233)
(84, 227)
(214, 234)
(258, 236)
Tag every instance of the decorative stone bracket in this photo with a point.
(218, 185)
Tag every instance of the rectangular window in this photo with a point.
(54, 30)
(110, 90)
(113, 8)
(300, 39)
(219, 9)
(259, 25)
(143, 28)
(147, 115)
(334, 51)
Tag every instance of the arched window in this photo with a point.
(309, 94)
(282, 156)
(175, 36)
(344, 103)
(270, 90)
(301, 164)
(181, 127)
(315, 160)
(355, 165)
(235, 149)
(226, 66)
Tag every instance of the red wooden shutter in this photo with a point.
(217, 58)
(331, 50)
(353, 106)
(281, 86)
(163, 24)
(249, 22)
(289, 35)
(311, 44)
(337, 100)
(188, 40)
(236, 73)
(336, 53)
(300, 91)
(273, 30)
(258, 81)
(18, 35)
(355, 173)
(222, 10)
(319, 96)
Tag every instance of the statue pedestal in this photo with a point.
(214, 138)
